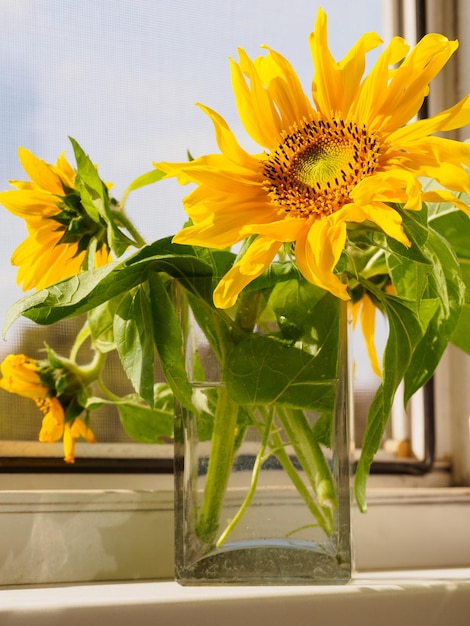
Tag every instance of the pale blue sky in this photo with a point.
(122, 77)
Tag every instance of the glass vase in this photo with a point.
(262, 454)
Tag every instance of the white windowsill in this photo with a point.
(405, 598)
(109, 535)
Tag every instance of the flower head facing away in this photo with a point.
(344, 158)
(60, 230)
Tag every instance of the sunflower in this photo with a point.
(21, 375)
(345, 157)
(32, 379)
(59, 229)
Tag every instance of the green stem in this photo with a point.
(80, 339)
(310, 456)
(107, 392)
(325, 523)
(220, 466)
(91, 371)
(254, 481)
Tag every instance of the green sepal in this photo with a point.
(95, 200)
(149, 178)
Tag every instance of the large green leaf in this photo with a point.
(427, 278)
(264, 369)
(86, 290)
(454, 225)
(134, 342)
(168, 341)
(447, 289)
(275, 274)
(405, 333)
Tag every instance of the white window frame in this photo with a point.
(62, 529)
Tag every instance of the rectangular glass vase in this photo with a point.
(262, 489)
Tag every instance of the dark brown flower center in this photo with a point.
(318, 164)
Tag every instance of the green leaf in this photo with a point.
(86, 290)
(146, 425)
(415, 226)
(454, 225)
(101, 320)
(294, 304)
(461, 335)
(275, 274)
(322, 429)
(405, 334)
(447, 290)
(264, 369)
(168, 340)
(133, 337)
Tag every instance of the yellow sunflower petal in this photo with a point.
(441, 195)
(410, 81)
(283, 87)
(317, 250)
(226, 140)
(80, 429)
(52, 427)
(335, 84)
(66, 171)
(256, 260)
(393, 185)
(40, 172)
(255, 106)
(387, 219)
(41, 264)
(367, 318)
(282, 230)
(29, 203)
(69, 444)
(450, 119)
(225, 232)
(373, 91)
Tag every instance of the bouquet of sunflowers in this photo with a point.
(347, 199)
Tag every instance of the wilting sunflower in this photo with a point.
(21, 375)
(59, 229)
(345, 158)
(32, 379)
